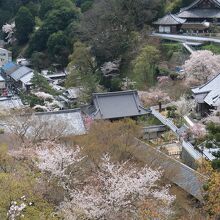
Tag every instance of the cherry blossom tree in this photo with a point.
(17, 125)
(50, 104)
(56, 158)
(29, 128)
(9, 29)
(16, 209)
(184, 106)
(198, 130)
(201, 66)
(111, 68)
(115, 190)
(163, 79)
(43, 95)
(154, 96)
(88, 121)
(214, 117)
(41, 107)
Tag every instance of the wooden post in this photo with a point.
(160, 107)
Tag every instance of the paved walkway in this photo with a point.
(164, 120)
(185, 38)
(188, 48)
(186, 145)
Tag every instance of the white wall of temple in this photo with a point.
(164, 29)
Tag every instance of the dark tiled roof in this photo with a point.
(195, 3)
(116, 105)
(170, 19)
(194, 11)
(200, 13)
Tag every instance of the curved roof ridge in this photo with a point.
(170, 19)
(196, 2)
(218, 75)
(200, 89)
(115, 93)
(177, 19)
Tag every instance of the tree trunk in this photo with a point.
(160, 107)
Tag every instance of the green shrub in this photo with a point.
(173, 76)
(213, 128)
(31, 100)
(148, 121)
(216, 164)
(34, 100)
(171, 108)
(208, 145)
(115, 84)
(164, 71)
(171, 114)
(86, 6)
(175, 47)
(169, 48)
(169, 54)
(217, 137)
(212, 47)
(217, 154)
(40, 82)
(206, 187)
(193, 115)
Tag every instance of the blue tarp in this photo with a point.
(8, 66)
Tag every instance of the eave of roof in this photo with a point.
(3, 49)
(209, 86)
(213, 98)
(26, 79)
(170, 19)
(211, 89)
(200, 13)
(115, 93)
(2, 79)
(217, 2)
(21, 72)
(114, 105)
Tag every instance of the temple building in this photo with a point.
(169, 24)
(196, 18)
(115, 105)
(207, 96)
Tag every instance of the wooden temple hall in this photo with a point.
(196, 18)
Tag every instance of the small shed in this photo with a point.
(173, 149)
(22, 77)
